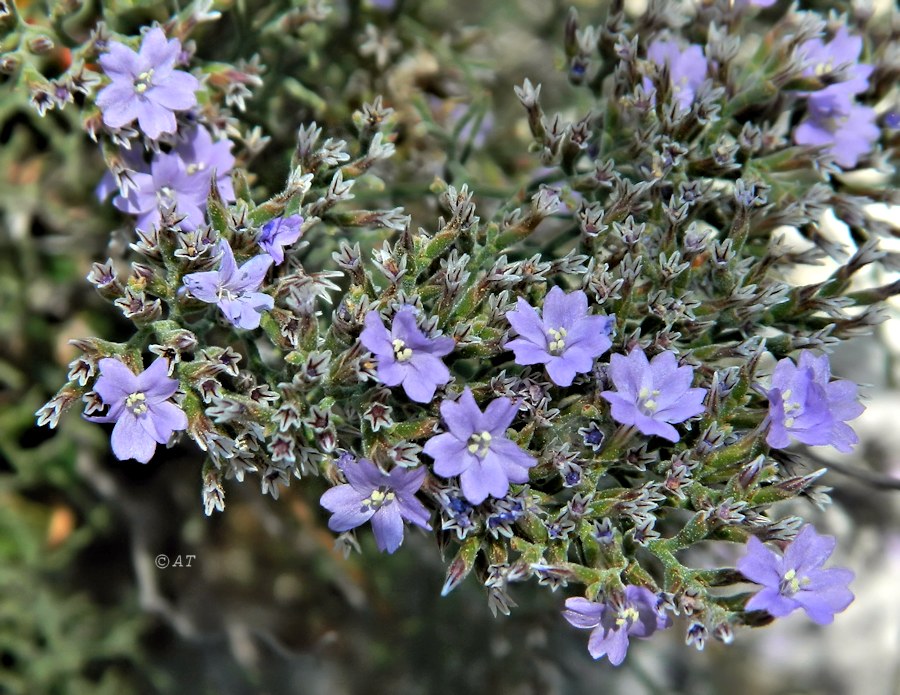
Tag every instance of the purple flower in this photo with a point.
(234, 289)
(835, 120)
(167, 185)
(145, 85)
(805, 404)
(201, 156)
(847, 138)
(405, 355)
(476, 448)
(566, 339)
(796, 580)
(385, 499)
(687, 69)
(823, 58)
(278, 234)
(634, 614)
(140, 407)
(651, 395)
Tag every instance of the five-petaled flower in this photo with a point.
(835, 120)
(385, 499)
(476, 448)
(806, 405)
(405, 355)
(796, 579)
(139, 405)
(234, 289)
(145, 85)
(278, 234)
(652, 395)
(566, 339)
(167, 185)
(632, 614)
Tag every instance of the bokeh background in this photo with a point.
(263, 603)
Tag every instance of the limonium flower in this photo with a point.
(145, 85)
(823, 58)
(847, 137)
(835, 121)
(796, 579)
(804, 404)
(652, 395)
(233, 289)
(565, 339)
(384, 499)
(202, 157)
(476, 448)
(615, 621)
(140, 407)
(405, 355)
(278, 234)
(687, 69)
(167, 184)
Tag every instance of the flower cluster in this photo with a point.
(569, 390)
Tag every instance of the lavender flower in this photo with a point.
(687, 69)
(566, 339)
(476, 448)
(202, 156)
(385, 499)
(634, 614)
(651, 395)
(145, 85)
(796, 579)
(823, 58)
(405, 355)
(140, 407)
(234, 289)
(835, 121)
(278, 234)
(806, 405)
(847, 138)
(169, 185)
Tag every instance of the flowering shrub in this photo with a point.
(598, 376)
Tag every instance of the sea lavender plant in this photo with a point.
(679, 182)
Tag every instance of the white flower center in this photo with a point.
(790, 408)
(136, 403)
(791, 583)
(557, 339)
(401, 352)
(195, 167)
(824, 68)
(143, 81)
(166, 196)
(646, 400)
(479, 444)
